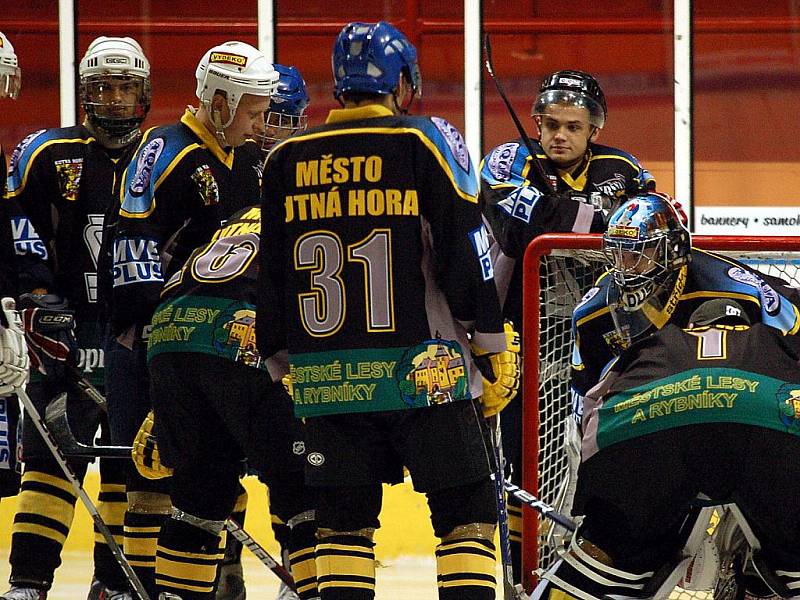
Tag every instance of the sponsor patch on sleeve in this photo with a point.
(501, 159)
(26, 240)
(145, 162)
(16, 155)
(519, 203)
(480, 243)
(455, 142)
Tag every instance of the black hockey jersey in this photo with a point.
(208, 306)
(61, 183)
(376, 264)
(766, 299)
(179, 188)
(677, 378)
(519, 204)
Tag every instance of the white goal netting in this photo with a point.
(567, 267)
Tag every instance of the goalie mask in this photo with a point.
(368, 58)
(286, 115)
(573, 88)
(645, 246)
(115, 89)
(10, 74)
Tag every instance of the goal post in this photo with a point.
(558, 270)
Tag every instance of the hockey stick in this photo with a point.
(543, 509)
(510, 592)
(80, 383)
(52, 444)
(58, 424)
(487, 46)
(261, 554)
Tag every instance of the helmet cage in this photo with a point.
(638, 268)
(118, 118)
(597, 115)
(286, 115)
(278, 126)
(10, 81)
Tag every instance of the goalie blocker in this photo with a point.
(683, 413)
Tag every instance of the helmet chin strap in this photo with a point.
(219, 126)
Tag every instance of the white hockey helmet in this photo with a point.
(10, 75)
(111, 61)
(235, 68)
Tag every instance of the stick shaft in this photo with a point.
(119, 555)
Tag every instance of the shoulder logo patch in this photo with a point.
(500, 160)
(454, 140)
(69, 177)
(206, 185)
(769, 297)
(588, 296)
(144, 165)
(21, 147)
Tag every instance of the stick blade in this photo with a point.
(55, 417)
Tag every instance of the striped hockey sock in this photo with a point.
(465, 569)
(345, 568)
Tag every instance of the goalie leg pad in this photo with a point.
(585, 573)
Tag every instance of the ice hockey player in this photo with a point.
(216, 404)
(570, 185)
(13, 349)
(375, 274)
(61, 180)
(655, 277)
(183, 182)
(710, 413)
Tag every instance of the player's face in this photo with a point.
(248, 122)
(565, 133)
(635, 262)
(115, 96)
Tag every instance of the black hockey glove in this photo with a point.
(50, 333)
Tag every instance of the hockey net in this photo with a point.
(559, 269)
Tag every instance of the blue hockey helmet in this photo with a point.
(645, 244)
(287, 111)
(369, 58)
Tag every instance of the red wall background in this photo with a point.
(747, 80)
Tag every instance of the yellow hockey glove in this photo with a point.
(145, 452)
(286, 380)
(501, 373)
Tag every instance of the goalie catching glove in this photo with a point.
(501, 372)
(145, 452)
